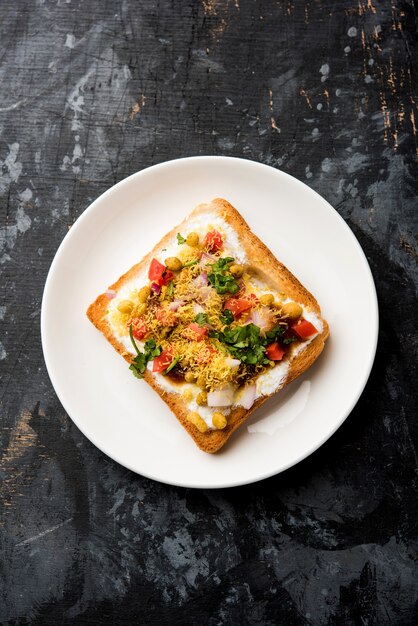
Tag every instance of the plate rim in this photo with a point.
(165, 164)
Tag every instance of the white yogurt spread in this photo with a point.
(266, 383)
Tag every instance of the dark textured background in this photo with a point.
(94, 91)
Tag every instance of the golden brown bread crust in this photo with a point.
(272, 272)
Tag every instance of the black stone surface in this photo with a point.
(93, 91)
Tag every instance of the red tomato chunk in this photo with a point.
(213, 241)
(139, 328)
(274, 352)
(238, 305)
(304, 329)
(166, 277)
(156, 271)
(196, 332)
(160, 363)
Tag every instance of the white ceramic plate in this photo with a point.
(124, 417)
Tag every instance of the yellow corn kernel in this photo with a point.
(125, 306)
(219, 420)
(198, 421)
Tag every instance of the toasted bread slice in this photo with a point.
(268, 269)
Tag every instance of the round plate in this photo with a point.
(124, 417)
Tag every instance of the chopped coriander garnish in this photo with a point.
(180, 239)
(190, 263)
(172, 365)
(244, 343)
(227, 317)
(139, 363)
(220, 277)
(289, 340)
(275, 333)
(163, 249)
(201, 318)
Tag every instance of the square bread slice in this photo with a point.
(255, 269)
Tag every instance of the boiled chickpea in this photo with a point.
(144, 293)
(140, 308)
(199, 422)
(125, 306)
(267, 299)
(173, 264)
(236, 270)
(219, 420)
(189, 377)
(202, 398)
(201, 381)
(291, 310)
(192, 240)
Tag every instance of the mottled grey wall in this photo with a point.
(93, 91)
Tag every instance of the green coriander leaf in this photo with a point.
(134, 371)
(289, 340)
(222, 263)
(139, 363)
(227, 317)
(201, 318)
(276, 332)
(220, 277)
(180, 239)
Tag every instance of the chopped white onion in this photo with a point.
(232, 362)
(197, 308)
(263, 318)
(201, 280)
(221, 397)
(245, 396)
(206, 258)
(173, 306)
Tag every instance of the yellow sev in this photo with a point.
(207, 359)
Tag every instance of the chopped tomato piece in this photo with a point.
(156, 271)
(304, 329)
(166, 277)
(160, 363)
(252, 298)
(195, 332)
(139, 328)
(159, 274)
(238, 305)
(274, 352)
(166, 317)
(213, 241)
